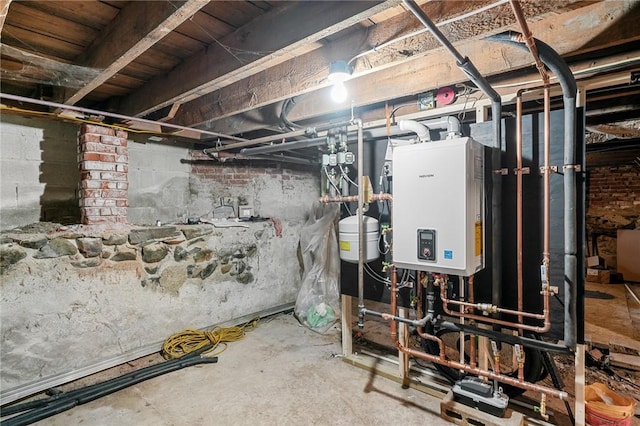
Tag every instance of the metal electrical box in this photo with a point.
(438, 206)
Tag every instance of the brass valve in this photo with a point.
(543, 407)
(440, 280)
(519, 356)
(518, 353)
(496, 356)
(487, 307)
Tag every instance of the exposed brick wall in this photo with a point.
(103, 159)
(240, 173)
(613, 187)
(613, 202)
(284, 191)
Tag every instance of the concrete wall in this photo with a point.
(158, 182)
(39, 175)
(38, 171)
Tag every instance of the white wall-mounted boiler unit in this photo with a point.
(438, 206)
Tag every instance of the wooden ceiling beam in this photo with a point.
(593, 27)
(138, 26)
(4, 9)
(268, 40)
(309, 72)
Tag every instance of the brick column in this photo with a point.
(103, 159)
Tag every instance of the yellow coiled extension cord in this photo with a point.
(191, 340)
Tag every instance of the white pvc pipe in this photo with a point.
(418, 128)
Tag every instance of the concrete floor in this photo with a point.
(280, 374)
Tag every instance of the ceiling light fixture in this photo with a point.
(339, 72)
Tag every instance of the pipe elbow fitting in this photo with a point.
(418, 128)
(427, 318)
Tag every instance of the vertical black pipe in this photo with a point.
(569, 90)
(496, 115)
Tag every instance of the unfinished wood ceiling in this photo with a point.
(228, 65)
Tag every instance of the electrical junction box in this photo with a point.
(438, 206)
(245, 211)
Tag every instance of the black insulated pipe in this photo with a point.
(285, 146)
(45, 408)
(462, 61)
(496, 112)
(559, 67)
(287, 106)
(504, 337)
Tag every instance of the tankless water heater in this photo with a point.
(438, 206)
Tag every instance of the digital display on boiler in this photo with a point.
(427, 244)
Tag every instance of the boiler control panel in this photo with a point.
(427, 244)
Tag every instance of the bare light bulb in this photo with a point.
(339, 92)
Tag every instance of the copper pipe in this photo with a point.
(519, 171)
(394, 307)
(461, 292)
(360, 213)
(528, 39)
(382, 197)
(354, 198)
(394, 334)
(546, 234)
(496, 363)
(521, 369)
(472, 338)
(419, 294)
(457, 365)
(490, 375)
(431, 337)
(546, 255)
(421, 331)
(339, 199)
(489, 320)
(496, 309)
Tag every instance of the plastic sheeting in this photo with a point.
(318, 302)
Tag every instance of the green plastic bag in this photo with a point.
(320, 316)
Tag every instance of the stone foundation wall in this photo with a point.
(74, 296)
(77, 295)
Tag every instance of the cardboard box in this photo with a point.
(594, 261)
(601, 276)
(629, 254)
